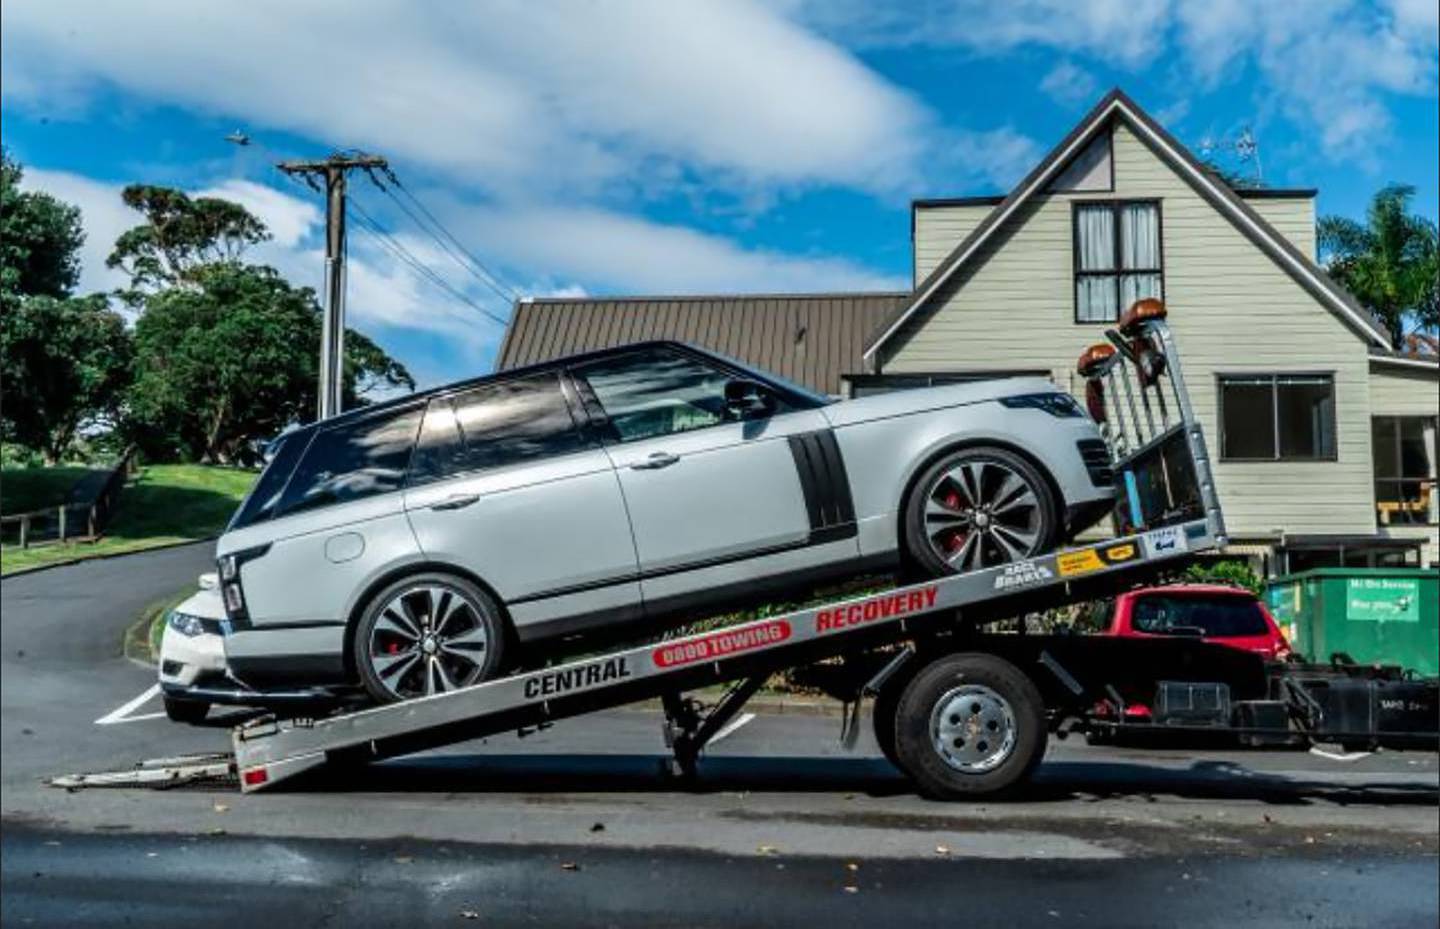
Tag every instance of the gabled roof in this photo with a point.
(1117, 105)
(811, 339)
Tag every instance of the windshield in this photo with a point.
(1220, 616)
(260, 503)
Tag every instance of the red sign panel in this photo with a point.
(721, 644)
(885, 606)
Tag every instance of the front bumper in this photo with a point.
(194, 668)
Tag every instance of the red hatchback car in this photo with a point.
(1212, 612)
(1215, 613)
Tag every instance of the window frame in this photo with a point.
(448, 396)
(1117, 271)
(1399, 479)
(392, 412)
(1274, 376)
(599, 420)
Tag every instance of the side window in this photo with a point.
(265, 495)
(493, 426)
(352, 461)
(653, 393)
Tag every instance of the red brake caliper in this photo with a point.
(957, 538)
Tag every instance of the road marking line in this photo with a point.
(118, 715)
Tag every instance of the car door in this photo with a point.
(507, 486)
(711, 497)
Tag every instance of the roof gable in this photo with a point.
(1116, 105)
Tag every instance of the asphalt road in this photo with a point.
(576, 825)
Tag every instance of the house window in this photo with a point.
(1117, 257)
(1277, 417)
(1404, 452)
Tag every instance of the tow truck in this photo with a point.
(961, 709)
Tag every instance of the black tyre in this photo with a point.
(186, 711)
(428, 634)
(977, 508)
(882, 720)
(968, 725)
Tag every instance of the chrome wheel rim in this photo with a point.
(428, 640)
(973, 729)
(980, 513)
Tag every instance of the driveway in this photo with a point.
(576, 825)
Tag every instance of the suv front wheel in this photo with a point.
(428, 634)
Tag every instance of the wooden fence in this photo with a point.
(72, 522)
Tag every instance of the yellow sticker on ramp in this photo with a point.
(1081, 562)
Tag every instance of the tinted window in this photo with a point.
(657, 392)
(1218, 616)
(353, 461)
(494, 426)
(260, 504)
(1277, 417)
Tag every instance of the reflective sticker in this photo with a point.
(1168, 540)
(1118, 553)
(721, 644)
(1081, 562)
(1023, 574)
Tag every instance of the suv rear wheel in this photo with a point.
(428, 634)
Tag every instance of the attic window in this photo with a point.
(1117, 257)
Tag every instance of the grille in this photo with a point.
(1097, 461)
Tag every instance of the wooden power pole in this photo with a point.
(333, 171)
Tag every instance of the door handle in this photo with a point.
(655, 461)
(456, 502)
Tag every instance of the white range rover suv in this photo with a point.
(430, 542)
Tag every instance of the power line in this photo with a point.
(446, 239)
(401, 253)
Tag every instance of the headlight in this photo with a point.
(1056, 404)
(228, 568)
(187, 625)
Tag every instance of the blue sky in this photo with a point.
(648, 147)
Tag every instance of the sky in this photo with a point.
(590, 147)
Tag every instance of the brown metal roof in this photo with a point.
(811, 339)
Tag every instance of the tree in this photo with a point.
(180, 236)
(232, 359)
(1389, 263)
(40, 239)
(65, 362)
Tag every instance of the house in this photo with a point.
(1324, 438)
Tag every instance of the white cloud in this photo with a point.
(102, 214)
(626, 254)
(1070, 85)
(510, 95)
(288, 218)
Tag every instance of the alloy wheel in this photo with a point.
(428, 640)
(981, 513)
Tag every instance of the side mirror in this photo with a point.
(747, 399)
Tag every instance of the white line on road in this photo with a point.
(118, 715)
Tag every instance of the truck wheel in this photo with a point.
(969, 724)
(882, 720)
(186, 711)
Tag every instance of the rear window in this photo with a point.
(264, 496)
(352, 461)
(1220, 616)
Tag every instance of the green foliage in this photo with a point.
(180, 237)
(1229, 571)
(163, 505)
(24, 490)
(231, 360)
(40, 240)
(64, 362)
(1389, 263)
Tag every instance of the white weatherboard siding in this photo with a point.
(1233, 310)
(1292, 217)
(938, 229)
(1401, 390)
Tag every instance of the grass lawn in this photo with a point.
(23, 490)
(161, 505)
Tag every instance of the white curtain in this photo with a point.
(1094, 295)
(1139, 248)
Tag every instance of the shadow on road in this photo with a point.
(1055, 781)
